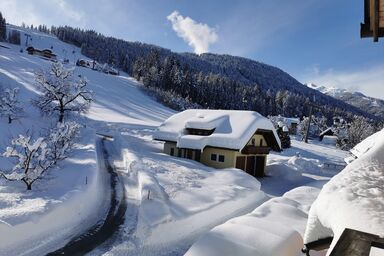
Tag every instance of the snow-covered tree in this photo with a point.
(30, 159)
(3, 28)
(358, 130)
(61, 139)
(33, 157)
(62, 94)
(10, 105)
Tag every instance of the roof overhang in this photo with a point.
(373, 25)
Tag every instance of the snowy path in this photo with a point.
(104, 229)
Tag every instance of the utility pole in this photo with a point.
(311, 106)
(309, 123)
(26, 39)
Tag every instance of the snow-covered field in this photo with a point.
(171, 201)
(73, 196)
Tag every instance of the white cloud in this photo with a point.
(49, 12)
(369, 81)
(197, 35)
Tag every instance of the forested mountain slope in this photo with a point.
(208, 80)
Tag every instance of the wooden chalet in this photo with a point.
(373, 25)
(220, 138)
(46, 53)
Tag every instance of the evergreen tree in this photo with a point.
(3, 28)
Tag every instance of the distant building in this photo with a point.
(46, 53)
(326, 132)
(220, 138)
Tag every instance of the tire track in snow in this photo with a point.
(104, 229)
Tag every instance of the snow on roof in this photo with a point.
(351, 199)
(326, 131)
(273, 229)
(232, 128)
(366, 144)
(292, 120)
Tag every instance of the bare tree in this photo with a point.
(10, 106)
(61, 92)
(33, 157)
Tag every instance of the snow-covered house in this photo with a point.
(327, 132)
(46, 53)
(220, 138)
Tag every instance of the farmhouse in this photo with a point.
(220, 138)
(46, 53)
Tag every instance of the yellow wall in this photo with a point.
(229, 157)
(168, 146)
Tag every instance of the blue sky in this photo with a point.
(315, 41)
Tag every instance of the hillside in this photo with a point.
(370, 105)
(186, 198)
(228, 82)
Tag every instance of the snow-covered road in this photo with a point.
(106, 227)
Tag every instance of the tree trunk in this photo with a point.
(9, 119)
(61, 117)
(29, 186)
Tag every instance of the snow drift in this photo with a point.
(273, 229)
(354, 198)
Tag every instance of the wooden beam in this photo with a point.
(356, 243)
(381, 14)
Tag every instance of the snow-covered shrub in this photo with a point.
(61, 139)
(10, 106)
(33, 157)
(62, 94)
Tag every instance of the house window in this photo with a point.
(213, 157)
(261, 142)
(179, 152)
(253, 142)
(221, 158)
(172, 151)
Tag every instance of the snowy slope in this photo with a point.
(371, 105)
(166, 195)
(180, 190)
(62, 204)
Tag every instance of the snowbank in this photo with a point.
(58, 207)
(352, 199)
(273, 229)
(365, 145)
(178, 199)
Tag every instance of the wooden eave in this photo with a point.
(373, 25)
(254, 150)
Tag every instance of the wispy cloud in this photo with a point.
(369, 81)
(57, 12)
(198, 35)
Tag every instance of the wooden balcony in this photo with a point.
(254, 150)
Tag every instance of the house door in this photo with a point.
(251, 165)
(189, 153)
(197, 155)
(260, 162)
(240, 162)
